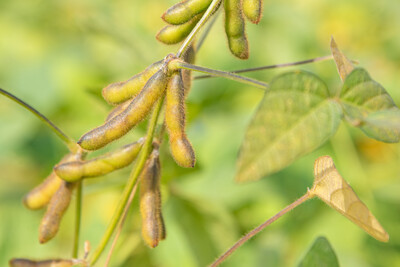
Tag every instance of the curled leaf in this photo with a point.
(331, 188)
(343, 64)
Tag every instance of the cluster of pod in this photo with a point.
(183, 17)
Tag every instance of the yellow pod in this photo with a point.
(235, 29)
(173, 34)
(43, 263)
(189, 57)
(55, 210)
(119, 92)
(153, 228)
(122, 157)
(252, 9)
(136, 111)
(117, 110)
(40, 196)
(184, 11)
(181, 149)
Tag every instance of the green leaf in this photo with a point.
(363, 99)
(343, 65)
(321, 254)
(295, 117)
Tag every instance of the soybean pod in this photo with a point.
(76, 170)
(189, 57)
(43, 263)
(181, 149)
(136, 111)
(252, 9)
(173, 34)
(40, 196)
(117, 110)
(153, 228)
(235, 29)
(184, 11)
(55, 210)
(119, 92)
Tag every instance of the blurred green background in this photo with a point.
(57, 55)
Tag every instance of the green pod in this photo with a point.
(235, 29)
(189, 57)
(153, 228)
(117, 110)
(185, 11)
(119, 92)
(136, 111)
(173, 34)
(181, 149)
(55, 210)
(40, 196)
(252, 9)
(43, 263)
(76, 170)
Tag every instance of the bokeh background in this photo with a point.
(57, 55)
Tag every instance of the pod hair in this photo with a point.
(43, 263)
(235, 29)
(185, 11)
(190, 57)
(252, 9)
(119, 92)
(181, 149)
(153, 228)
(117, 110)
(173, 34)
(134, 113)
(122, 157)
(40, 196)
(55, 210)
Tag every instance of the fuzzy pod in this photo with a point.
(252, 9)
(122, 157)
(173, 34)
(153, 228)
(117, 110)
(119, 92)
(136, 111)
(40, 196)
(43, 263)
(235, 29)
(181, 149)
(55, 210)
(185, 11)
(189, 57)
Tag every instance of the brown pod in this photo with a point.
(181, 149)
(43, 263)
(189, 57)
(136, 111)
(40, 196)
(55, 210)
(153, 228)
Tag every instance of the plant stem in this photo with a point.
(78, 215)
(207, 30)
(209, 12)
(67, 140)
(184, 65)
(260, 228)
(307, 61)
(145, 151)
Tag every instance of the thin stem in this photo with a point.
(78, 215)
(219, 73)
(308, 61)
(69, 141)
(121, 224)
(145, 151)
(206, 32)
(209, 12)
(260, 228)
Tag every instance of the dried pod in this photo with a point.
(235, 29)
(181, 149)
(119, 92)
(153, 228)
(184, 11)
(55, 210)
(40, 196)
(173, 34)
(43, 263)
(252, 9)
(136, 111)
(122, 157)
(189, 57)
